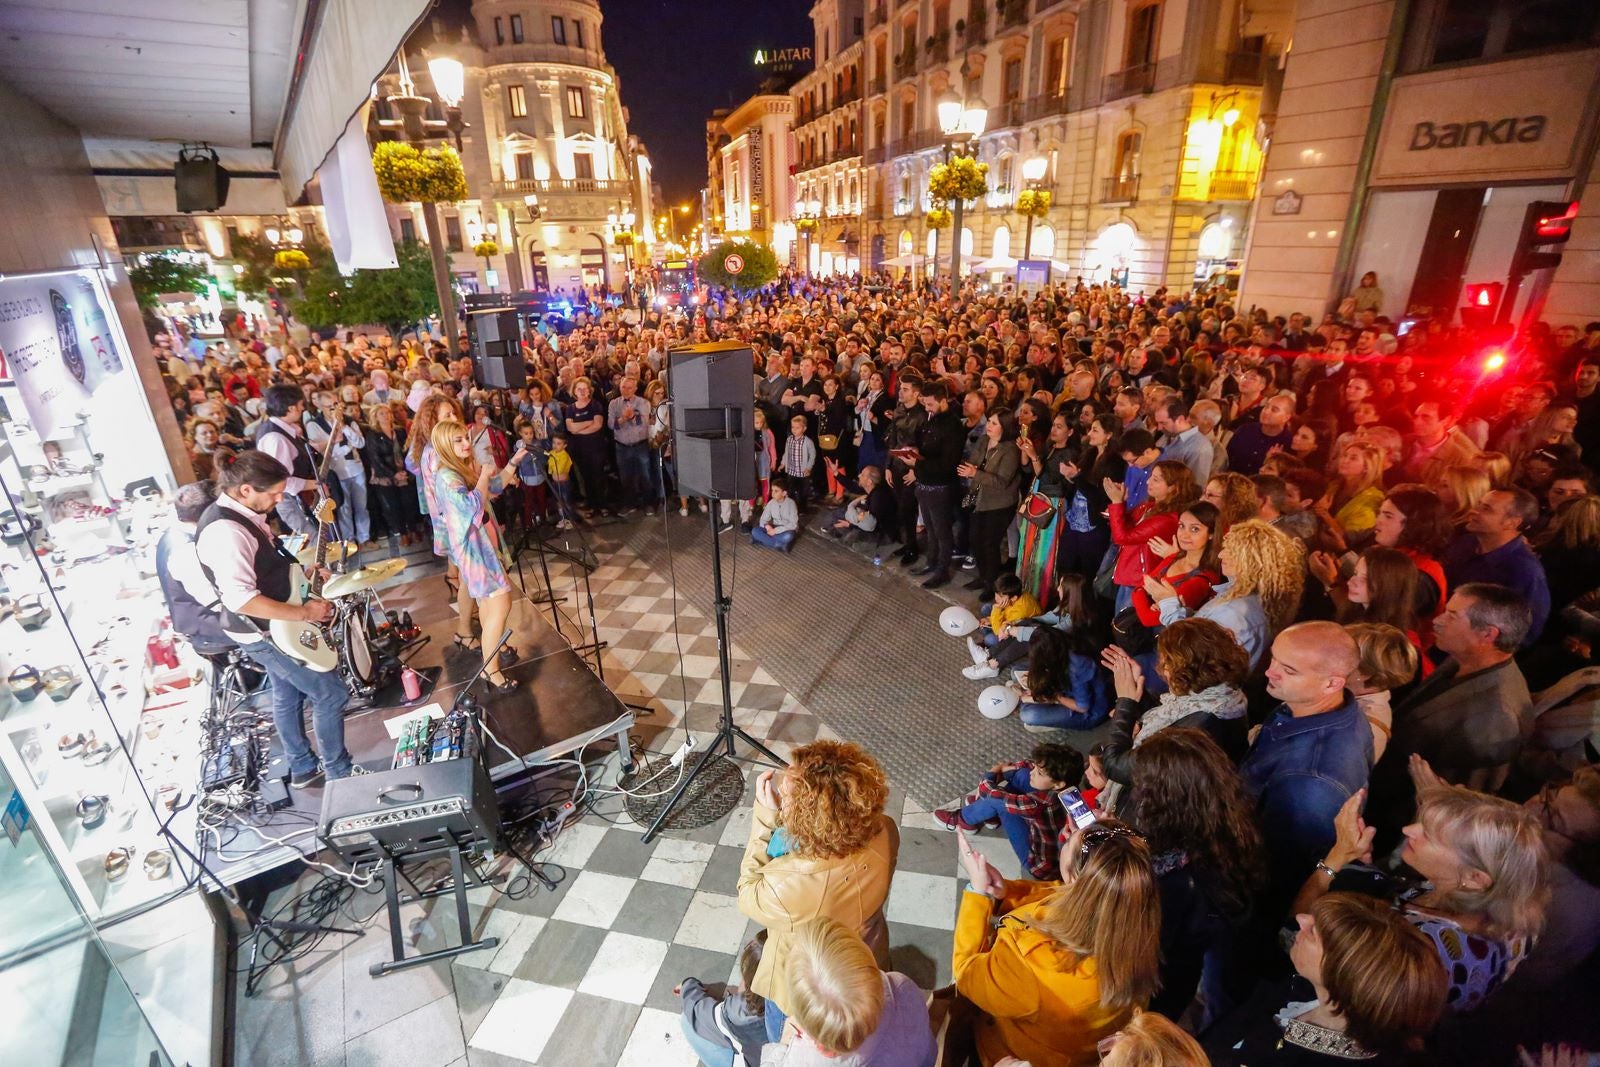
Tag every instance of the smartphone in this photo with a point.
(1077, 808)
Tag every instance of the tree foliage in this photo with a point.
(393, 298)
(760, 266)
(162, 272)
(259, 259)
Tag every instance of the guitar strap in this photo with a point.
(233, 620)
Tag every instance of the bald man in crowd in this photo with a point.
(1312, 753)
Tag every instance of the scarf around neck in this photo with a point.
(1222, 701)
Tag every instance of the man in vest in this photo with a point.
(252, 576)
(282, 436)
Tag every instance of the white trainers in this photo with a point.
(979, 654)
(683, 511)
(979, 671)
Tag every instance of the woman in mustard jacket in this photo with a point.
(1067, 964)
(834, 859)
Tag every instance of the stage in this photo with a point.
(561, 707)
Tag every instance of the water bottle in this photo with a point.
(877, 565)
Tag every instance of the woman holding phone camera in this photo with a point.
(462, 488)
(1067, 964)
(834, 859)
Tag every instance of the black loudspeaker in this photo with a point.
(497, 349)
(713, 419)
(410, 809)
(202, 182)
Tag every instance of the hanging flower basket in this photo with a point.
(805, 224)
(407, 174)
(960, 179)
(291, 259)
(486, 249)
(1034, 202)
(937, 218)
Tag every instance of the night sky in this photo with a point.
(679, 59)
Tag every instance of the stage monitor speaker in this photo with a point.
(713, 419)
(497, 349)
(202, 182)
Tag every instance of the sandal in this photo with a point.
(466, 642)
(509, 655)
(25, 683)
(503, 686)
(60, 683)
(32, 612)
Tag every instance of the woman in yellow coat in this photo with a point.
(1065, 965)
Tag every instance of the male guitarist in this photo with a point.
(253, 577)
(282, 436)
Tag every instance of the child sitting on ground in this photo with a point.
(1024, 798)
(732, 1030)
(780, 519)
(1011, 606)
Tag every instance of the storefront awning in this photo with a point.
(238, 74)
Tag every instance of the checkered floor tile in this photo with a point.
(587, 971)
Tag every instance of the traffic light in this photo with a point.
(1482, 301)
(1547, 224)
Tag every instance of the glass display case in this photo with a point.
(97, 721)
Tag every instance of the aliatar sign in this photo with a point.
(783, 59)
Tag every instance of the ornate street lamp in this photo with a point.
(961, 120)
(806, 220)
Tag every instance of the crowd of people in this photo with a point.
(1331, 589)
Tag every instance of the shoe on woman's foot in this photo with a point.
(508, 655)
(466, 642)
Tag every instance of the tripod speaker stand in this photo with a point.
(713, 424)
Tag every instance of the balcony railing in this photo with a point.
(1129, 80)
(1232, 185)
(877, 15)
(547, 52)
(1039, 107)
(937, 52)
(878, 86)
(1011, 113)
(905, 65)
(976, 34)
(1120, 190)
(1045, 5)
(564, 186)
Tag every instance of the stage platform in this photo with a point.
(560, 707)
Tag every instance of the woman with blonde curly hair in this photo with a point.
(834, 858)
(1265, 572)
(1484, 879)
(1151, 1040)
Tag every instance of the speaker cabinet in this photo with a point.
(202, 182)
(713, 419)
(497, 349)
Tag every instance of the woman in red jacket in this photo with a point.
(1188, 568)
(1172, 490)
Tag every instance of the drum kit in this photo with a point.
(363, 640)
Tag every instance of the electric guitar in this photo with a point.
(302, 639)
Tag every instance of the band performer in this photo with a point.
(253, 577)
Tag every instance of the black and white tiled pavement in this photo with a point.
(586, 973)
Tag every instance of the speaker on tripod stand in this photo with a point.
(713, 437)
(497, 348)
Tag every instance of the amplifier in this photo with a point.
(410, 809)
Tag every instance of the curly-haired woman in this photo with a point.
(839, 857)
(1265, 572)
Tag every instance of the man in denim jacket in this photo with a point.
(1312, 753)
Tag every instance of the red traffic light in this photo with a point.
(1482, 299)
(1552, 226)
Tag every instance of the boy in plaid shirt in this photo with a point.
(1024, 798)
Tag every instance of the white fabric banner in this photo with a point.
(358, 226)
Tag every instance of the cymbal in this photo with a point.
(365, 578)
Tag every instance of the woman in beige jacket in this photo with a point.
(833, 858)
